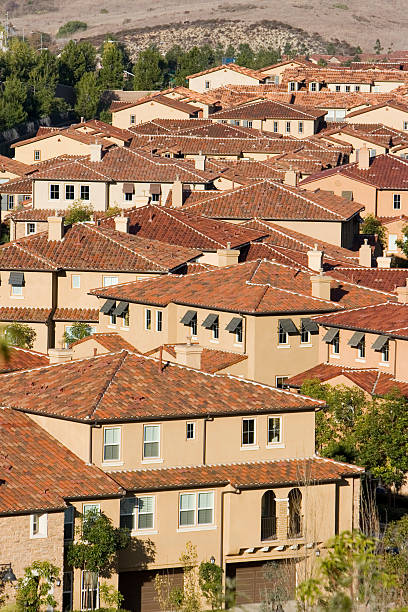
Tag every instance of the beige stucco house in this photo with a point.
(228, 74)
(158, 106)
(392, 114)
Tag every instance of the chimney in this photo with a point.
(363, 158)
(189, 354)
(402, 293)
(200, 161)
(228, 256)
(96, 152)
(364, 255)
(177, 193)
(55, 228)
(321, 286)
(383, 262)
(291, 178)
(122, 223)
(82, 119)
(315, 259)
(60, 355)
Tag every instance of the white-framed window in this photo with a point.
(69, 192)
(38, 525)
(108, 281)
(280, 382)
(128, 197)
(335, 343)
(196, 509)
(30, 228)
(137, 513)
(75, 281)
(274, 430)
(248, 433)
(304, 335)
(190, 430)
(385, 352)
(93, 508)
(292, 86)
(69, 522)
(132, 119)
(300, 127)
(16, 290)
(313, 86)
(37, 155)
(111, 444)
(347, 88)
(372, 153)
(405, 125)
(54, 192)
(287, 127)
(10, 202)
(155, 197)
(151, 441)
(89, 590)
(396, 201)
(84, 192)
(148, 319)
(239, 334)
(392, 242)
(361, 352)
(357, 88)
(247, 123)
(215, 329)
(283, 337)
(275, 126)
(67, 583)
(338, 88)
(159, 320)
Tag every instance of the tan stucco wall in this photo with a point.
(98, 194)
(363, 193)
(50, 147)
(21, 228)
(144, 113)
(74, 436)
(390, 117)
(221, 77)
(327, 231)
(358, 143)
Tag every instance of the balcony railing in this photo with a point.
(295, 527)
(268, 528)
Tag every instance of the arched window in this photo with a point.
(295, 514)
(268, 516)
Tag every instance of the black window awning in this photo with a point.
(234, 324)
(330, 335)
(379, 343)
(211, 320)
(120, 309)
(310, 326)
(189, 317)
(155, 188)
(128, 188)
(355, 339)
(16, 279)
(108, 306)
(288, 326)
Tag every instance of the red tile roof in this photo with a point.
(111, 341)
(212, 360)
(390, 103)
(25, 315)
(189, 109)
(76, 314)
(267, 109)
(381, 279)
(389, 318)
(167, 126)
(39, 473)
(124, 386)
(67, 133)
(256, 474)
(234, 67)
(12, 165)
(23, 185)
(22, 359)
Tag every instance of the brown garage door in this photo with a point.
(138, 589)
(254, 581)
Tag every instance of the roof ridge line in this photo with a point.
(166, 212)
(35, 255)
(109, 383)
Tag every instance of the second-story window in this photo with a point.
(30, 229)
(274, 430)
(196, 509)
(385, 352)
(396, 201)
(37, 155)
(84, 192)
(137, 513)
(338, 88)
(300, 127)
(283, 336)
(159, 320)
(38, 525)
(151, 441)
(132, 119)
(148, 319)
(287, 127)
(69, 192)
(108, 281)
(207, 84)
(248, 432)
(336, 345)
(190, 431)
(304, 335)
(75, 281)
(347, 88)
(69, 518)
(111, 443)
(10, 202)
(54, 192)
(361, 348)
(275, 126)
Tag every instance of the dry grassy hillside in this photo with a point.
(357, 21)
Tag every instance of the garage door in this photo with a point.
(255, 581)
(138, 589)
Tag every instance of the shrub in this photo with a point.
(78, 211)
(70, 28)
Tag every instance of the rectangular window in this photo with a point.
(187, 509)
(280, 382)
(347, 88)
(193, 326)
(190, 431)
(112, 319)
(357, 88)
(69, 192)
(292, 86)
(159, 320)
(248, 432)
(126, 319)
(274, 430)
(10, 202)
(137, 512)
(38, 525)
(145, 512)
(385, 352)
(93, 508)
(336, 345)
(151, 441)
(304, 335)
(392, 242)
(205, 508)
(282, 336)
(239, 334)
(67, 582)
(108, 281)
(69, 518)
(128, 197)
(89, 590)
(405, 125)
(396, 201)
(16, 290)
(338, 88)
(84, 191)
(300, 127)
(148, 318)
(215, 330)
(75, 281)
(196, 509)
(111, 443)
(132, 119)
(313, 86)
(275, 126)
(37, 155)
(54, 192)
(207, 84)
(30, 228)
(155, 197)
(287, 128)
(361, 349)
(247, 123)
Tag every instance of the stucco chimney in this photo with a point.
(383, 262)
(315, 259)
(96, 152)
(365, 255)
(55, 228)
(122, 224)
(228, 256)
(291, 178)
(402, 293)
(363, 158)
(60, 355)
(177, 194)
(200, 161)
(189, 354)
(321, 286)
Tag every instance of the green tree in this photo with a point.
(395, 544)
(372, 225)
(78, 331)
(149, 70)
(21, 335)
(33, 592)
(77, 212)
(190, 62)
(75, 60)
(210, 581)
(378, 47)
(266, 57)
(245, 56)
(403, 244)
(70, 28)
(20, 59)
(43, 80)
(331, 48)
(113, 65)
(110, 596)
(12, 103)
(88, 94)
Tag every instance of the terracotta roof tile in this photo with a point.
(234, 67)
(265, 109)
(76, 314)
(12, 165)
(25, 315)
(212, 360)
(110, 341)
(382, 279)
(167, 126)
(22, 359)
(389, 318)
(67, 133)
(159, 99)
(23, 185)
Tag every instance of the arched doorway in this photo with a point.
(295, 514)
(268, 516)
